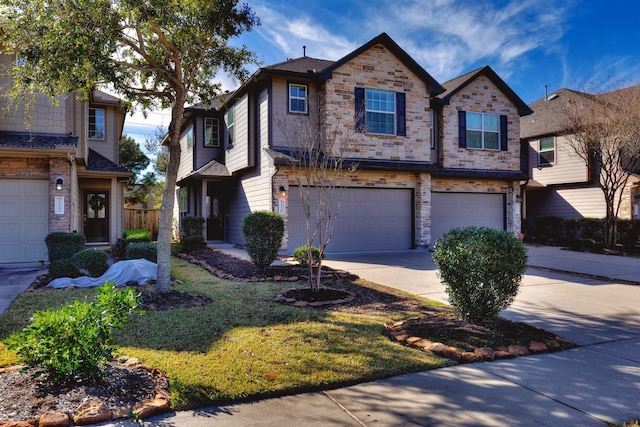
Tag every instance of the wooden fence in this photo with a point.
(147, 219)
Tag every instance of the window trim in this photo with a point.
(215, 134)
(188, 137)
(540, 151)
(368, 110)
(503, 142)
(230, 135)
(95, 137)
(291, 98)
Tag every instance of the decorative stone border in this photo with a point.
(277, 278)
(482, 354)
(283, 298)
(95, 411)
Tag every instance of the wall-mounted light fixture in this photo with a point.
(59, 184)
(283, 191)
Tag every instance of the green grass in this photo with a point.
(244, 345)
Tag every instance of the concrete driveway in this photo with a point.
(14, 280)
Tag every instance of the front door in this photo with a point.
(215, 222)
(96, 216)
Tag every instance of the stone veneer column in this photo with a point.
(60, 168)
(423, 210)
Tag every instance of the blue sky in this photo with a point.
(529, 43)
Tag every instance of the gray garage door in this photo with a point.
(455, 210)
(368, 219)
(24, 220)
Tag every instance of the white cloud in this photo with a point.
(448, 36)
(289, 35)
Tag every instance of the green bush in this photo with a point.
(62, 268)
(146, 250)
(94, 261)
(481, 268)
(301, 254)
(192, 225)
(69, 345)
(64, 245)
(263, 231)
(190, 243)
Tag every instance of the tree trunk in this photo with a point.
(165, 227)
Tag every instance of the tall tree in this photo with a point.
(320, 143)
(153, 53)
(603, 130)
(131, 156)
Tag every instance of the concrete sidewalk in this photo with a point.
(592, 385)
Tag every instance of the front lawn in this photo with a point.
(243, 345)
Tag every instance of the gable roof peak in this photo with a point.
(384, 39)
(456, 84)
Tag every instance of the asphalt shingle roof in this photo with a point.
(97, 162)
(36, 140)
(548, 113)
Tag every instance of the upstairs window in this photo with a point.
(380, 112)
(546, 151)
(189, 137)
(230, 127)
(211, 132)
(96, 123)
(483, 131)
(298, 98)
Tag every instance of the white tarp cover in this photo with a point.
(138, 270)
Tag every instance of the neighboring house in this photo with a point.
(430, 157)
(561, 184)
(59, 172)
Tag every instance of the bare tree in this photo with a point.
(604, 131)
(319, 145)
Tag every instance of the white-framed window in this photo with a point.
(189, 137)
(380, 111)
(483, 131)
(182, 202)
(96, 123)
(211, 132)
(298, 95)
(546, 151)
(230, 128)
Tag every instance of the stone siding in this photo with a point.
(481, 96)
(378, 68)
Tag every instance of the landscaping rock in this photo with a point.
(501, 354)
(518, 350)
(485, 353)
(54, 419)
(538, 347)
(27, 423)
(91, 412)
(469, 357)
(151, 407)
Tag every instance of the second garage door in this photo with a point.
(457, 210)
(368, 219)
(24, 220)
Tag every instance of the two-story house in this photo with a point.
(59, 172)
(561, 183)
(429, 156)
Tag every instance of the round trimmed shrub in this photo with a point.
(92, 260)
(190, 243)
(146, 250)
(64, 245)
(62, 267)
(481, 268)
(301, 254)
(263, 232)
